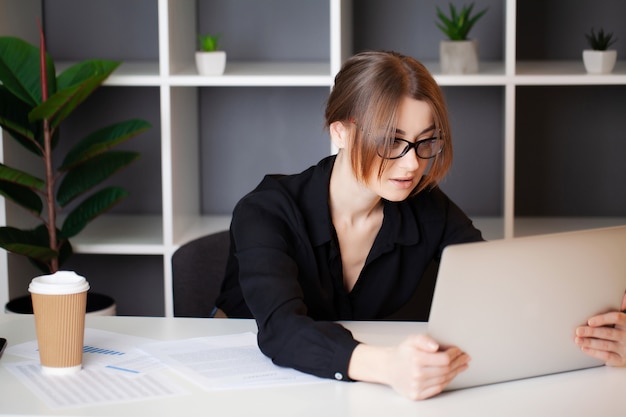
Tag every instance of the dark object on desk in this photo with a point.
(3, 344)
(95, 302)
(197, 272)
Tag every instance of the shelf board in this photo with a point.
(565, 73)
(317, 74)
(122, 235)
(526, 226)
(259, 74)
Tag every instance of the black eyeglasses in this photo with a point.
(425, 148)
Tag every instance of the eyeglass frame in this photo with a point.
(415, 145)
(409, 146)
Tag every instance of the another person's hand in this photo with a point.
(419, 368)
(604, 337)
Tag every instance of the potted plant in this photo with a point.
(34, 101)
(458, 54)
(210, 60)
(599, 59)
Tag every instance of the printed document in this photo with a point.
(114, 371)
(225, 362)
(121, 368)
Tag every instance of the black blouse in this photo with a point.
(285, 266)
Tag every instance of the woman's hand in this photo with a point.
(417, 368)
(604, 337)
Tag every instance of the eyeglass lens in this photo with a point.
(426, 148)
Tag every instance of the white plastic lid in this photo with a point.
(61, 282)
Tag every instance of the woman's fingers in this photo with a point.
(604, 338)
(428, 372)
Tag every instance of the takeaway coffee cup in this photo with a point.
(59, 306)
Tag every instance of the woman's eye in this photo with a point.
(398, 143)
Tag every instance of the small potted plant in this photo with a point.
(599, 59)
(210, 60)
(34, 101)
(458, 54)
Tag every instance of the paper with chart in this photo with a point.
(225, 362)
(92, 386)
(110, 350)
(114, 371)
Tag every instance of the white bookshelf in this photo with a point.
(179, 86)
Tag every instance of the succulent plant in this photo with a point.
(600, 41)
(458, 24)
(209, 42)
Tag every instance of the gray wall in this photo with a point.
(570, 157)
(254, 30)
(110, 29)
(247, 133)
(556, 29)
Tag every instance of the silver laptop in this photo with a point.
(513, 304)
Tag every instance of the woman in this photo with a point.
(350, 238)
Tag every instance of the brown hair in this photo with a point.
(368, 90)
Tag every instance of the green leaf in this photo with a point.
(470, 23)
(91, 208)
(74, 86)
(453, 15)
(18, 187)
(91, 173)
(20, 70)
(14, 119)
(19, 177)
(26, 243)
(86, 70)
(102, 140)
(23, 196)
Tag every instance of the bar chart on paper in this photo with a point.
(101, 351)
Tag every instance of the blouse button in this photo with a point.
(338, 376)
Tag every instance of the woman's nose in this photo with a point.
(410, 160)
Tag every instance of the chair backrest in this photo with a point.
(198, 269)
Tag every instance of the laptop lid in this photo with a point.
(513, 304)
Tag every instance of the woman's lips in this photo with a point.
(403, 182)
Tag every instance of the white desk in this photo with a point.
(592, 392)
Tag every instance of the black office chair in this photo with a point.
(197, 272)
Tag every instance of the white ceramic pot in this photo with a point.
(599, 62)
(211, 63)
(458, 57)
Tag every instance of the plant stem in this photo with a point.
(47, 155)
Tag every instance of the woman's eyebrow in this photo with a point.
(428, 129)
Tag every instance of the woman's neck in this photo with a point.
(351, 202)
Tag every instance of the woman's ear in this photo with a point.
(339, 134)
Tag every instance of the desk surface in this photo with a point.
(597, 391)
